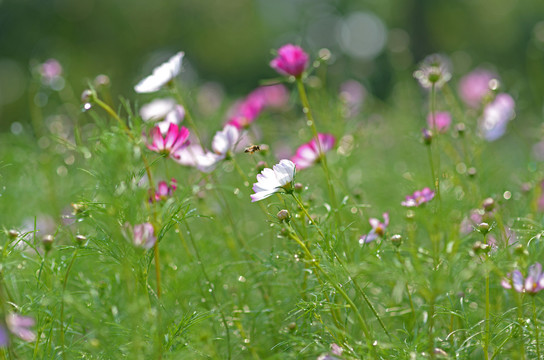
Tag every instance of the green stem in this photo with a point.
(520, 323)
(323, 159)
(436, 177)
(536, 329)
(487, 305)
(65, 282)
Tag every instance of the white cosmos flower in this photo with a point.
(161, 75)
(223, 143)
(270, 181)
(166, 110)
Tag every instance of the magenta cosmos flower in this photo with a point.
(163, 191)
(474, 86)
(378, 229)
(144, 235)
(271, 181)
(274, 96)
(291, 60)
(419, 197)
(441, 123)
(532, 284)
(171, 144)
(308, 154)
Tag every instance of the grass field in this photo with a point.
(95, 266)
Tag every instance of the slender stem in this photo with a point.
(212, 289)
(520, 323)
(62, 345)
(188, 116)
(487, 304)
(436, 176)
(323, 159)
(536, 329)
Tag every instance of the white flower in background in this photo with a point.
(224, 142)
(270, 181)
(166, 110)
(161, 75)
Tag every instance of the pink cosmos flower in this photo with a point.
(50, 70)
(474, 86)
(496, 116)
(378, 229)
(144, 236)
(163, 191)
(271, 181)
(263, 97)
(291, 60)
(532, 284)
(419, 197)
(172, 143)
(442, 121)
(20, 326)
(308, 154)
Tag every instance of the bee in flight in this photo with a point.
(252, 148)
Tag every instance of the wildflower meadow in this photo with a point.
(306, 219)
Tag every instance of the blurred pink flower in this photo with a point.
(308, 154)
(496, 116)
(161, 75)
(474, 86)
(418, 198)
(50, 70)
(259, 99)
(532, 284)
(172, 143)
(352, 93)
(164, 111)
(291, 60)
(378, 229)
(20, 326)
(164, 190)
(144, 235)
(442, 121)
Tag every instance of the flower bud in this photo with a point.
(298, 187)
(479, 247)
(483, 228)
(471, 172)
(101, 80)
(396, 240)
(47, 242)
(261, 165)
(427, 136)
(283, 215)
(488, 204)
(86, 96)
(81, 239)
(13, 234)
(460, 128)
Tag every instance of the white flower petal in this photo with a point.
(161, 75)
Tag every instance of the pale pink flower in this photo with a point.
(442, 121)
(378, 229)
(474, 86)
(353, 94)
(50, 70)
(223, 145)
(418, 198)
(532, 284)
(496, 116)
(144, 235)
(308, 154)
(274, 180)
(172, 143)
(20, 326)
(161, 75)
(291, 60)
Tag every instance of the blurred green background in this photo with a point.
(230, 42)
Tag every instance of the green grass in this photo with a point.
(234, 283)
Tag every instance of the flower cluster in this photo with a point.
(308, 154)
(532, 284)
